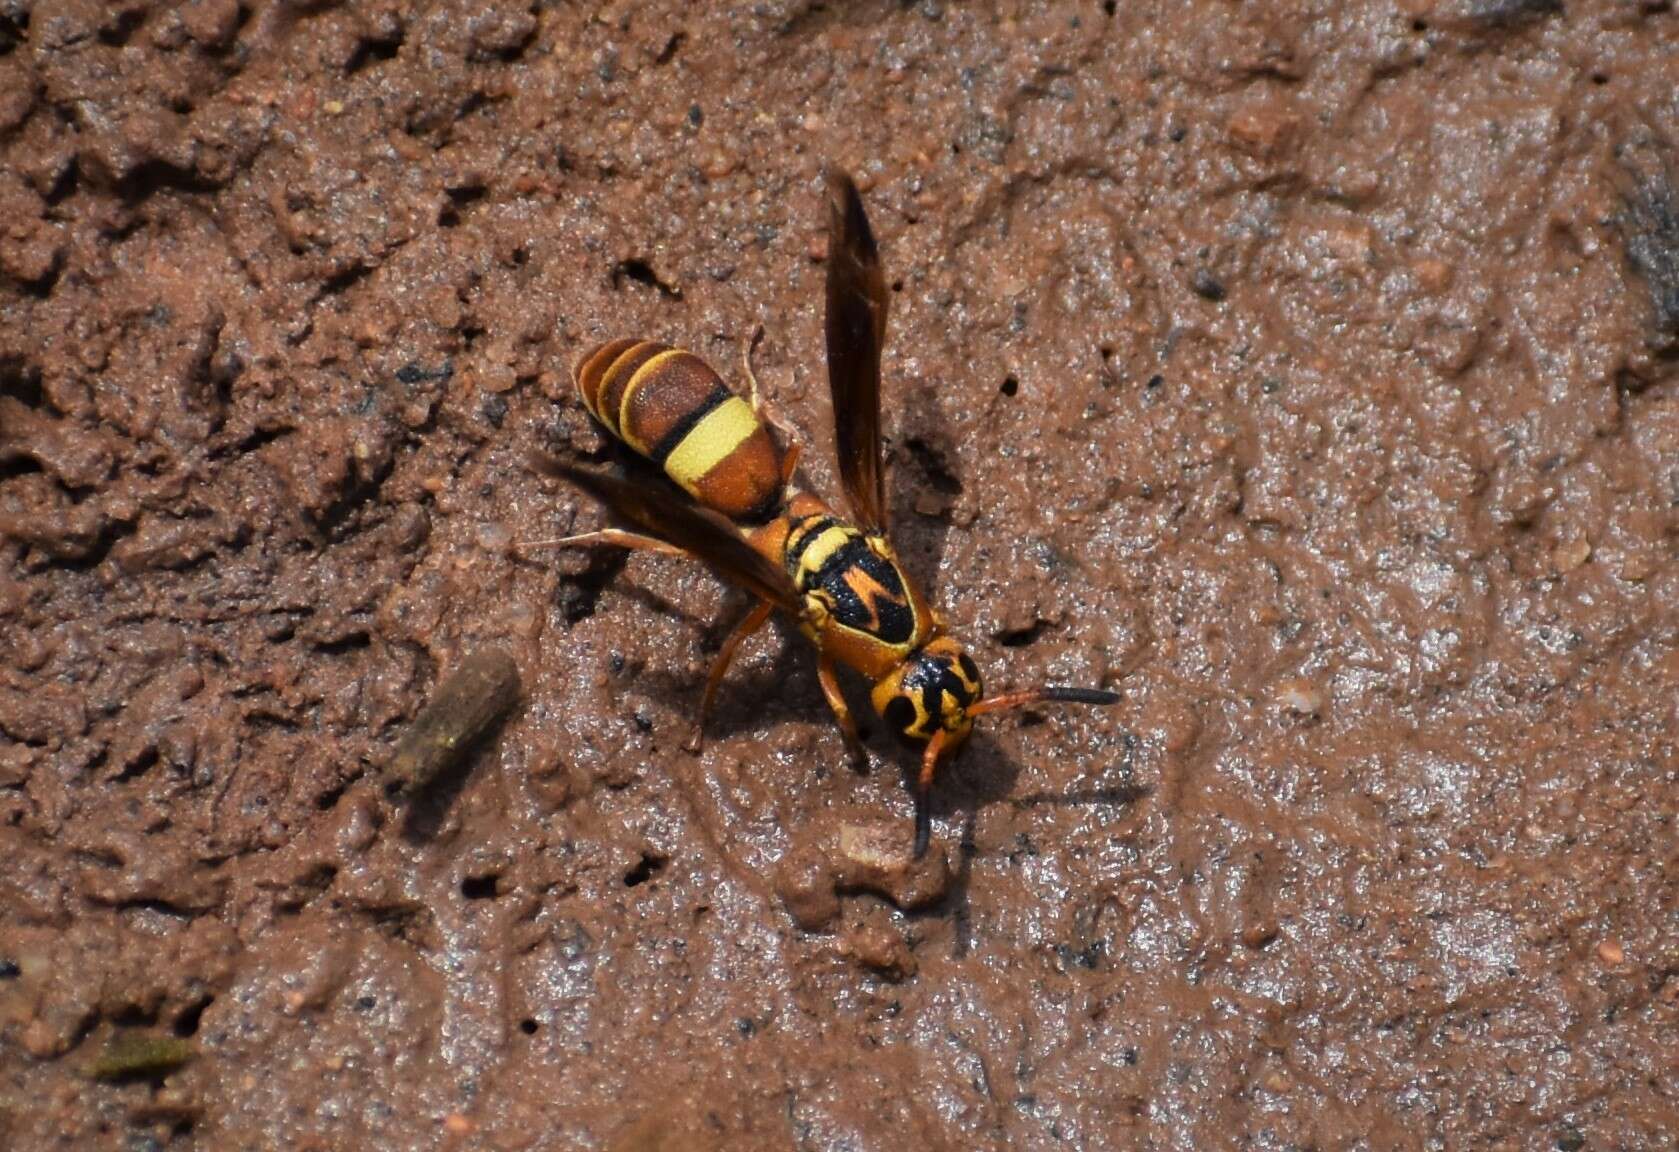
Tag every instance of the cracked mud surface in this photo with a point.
(1308, 374)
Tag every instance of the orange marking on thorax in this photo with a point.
(869, 591)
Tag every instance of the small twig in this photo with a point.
(461, 711)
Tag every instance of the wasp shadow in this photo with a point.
(926, 469)
(652, 601)
(984, 775)
(789, 679)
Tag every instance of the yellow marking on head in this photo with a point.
(719, 432)
(817, 552)
(642, 376)
(923, 725)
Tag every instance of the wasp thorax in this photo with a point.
(929, 692)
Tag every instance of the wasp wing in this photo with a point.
(675, 520)
(856, 331)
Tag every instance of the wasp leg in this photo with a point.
(842, 714)
(613, 536)
(751, 376)
(756, 393)
(719, 667)
(789, 462)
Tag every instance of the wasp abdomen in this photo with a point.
(669, 406)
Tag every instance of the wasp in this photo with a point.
(728, 498)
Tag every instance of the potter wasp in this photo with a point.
(731, 502)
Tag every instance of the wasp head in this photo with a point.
(929, 693)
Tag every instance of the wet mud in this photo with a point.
(1308, 375)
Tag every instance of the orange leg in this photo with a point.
(751, 376)
(719, 667)
(924, 792)
(791, 460)
(842, 713)
(613, 536)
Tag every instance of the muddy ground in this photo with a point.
(1307, 373)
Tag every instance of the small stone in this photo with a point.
(1611, 952)
(878, 947)
(498, 378)
(716, 163)
(1571, 554)
(1207, 286)
(416, 413)
(877, 846)
(1435, 276)
(806, 886)
(872, 856)
(458, 1125)
(1300, 697)
(41, 1040)
(34, 256)
(211, 23)
(1262, 128)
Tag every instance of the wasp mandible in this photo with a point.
(733, 504)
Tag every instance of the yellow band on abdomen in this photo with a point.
(725, 428)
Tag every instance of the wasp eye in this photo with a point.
(900, 714)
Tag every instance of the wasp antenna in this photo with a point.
(1047, 695)
(923, 824)
(1080, 695)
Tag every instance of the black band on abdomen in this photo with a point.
(672, 440)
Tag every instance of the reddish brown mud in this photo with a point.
(1309, 374)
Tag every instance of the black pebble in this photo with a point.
(1206, 285)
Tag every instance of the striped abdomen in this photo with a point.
(669, 406)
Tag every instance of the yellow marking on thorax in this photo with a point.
(642, 376)
(722, 430)
(816, 554)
